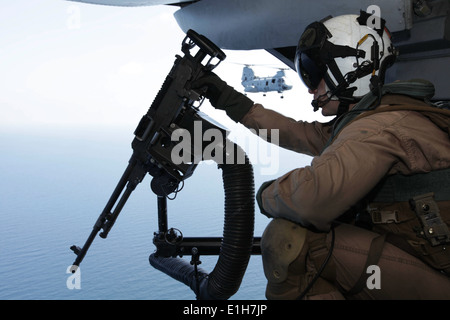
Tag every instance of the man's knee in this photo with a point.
(291, 257)
(281, 245)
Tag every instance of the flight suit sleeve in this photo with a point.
(299, 136)
(363, 153)
(345, 172)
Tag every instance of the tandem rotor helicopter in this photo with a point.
(253, 83)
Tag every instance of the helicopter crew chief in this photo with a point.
(369, 218)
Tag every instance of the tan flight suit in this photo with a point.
(362, 154)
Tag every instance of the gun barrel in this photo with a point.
(133, 175)
(81, 252)
(112, 218)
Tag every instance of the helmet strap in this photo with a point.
(375, 85)
(375, 88)
(345, 99)
(317, 103)
(342, 108)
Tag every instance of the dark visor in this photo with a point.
(309, 71)
(309, 62)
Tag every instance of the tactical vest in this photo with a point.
(411, 212)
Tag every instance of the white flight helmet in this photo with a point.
(346, 51)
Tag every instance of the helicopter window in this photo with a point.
(267, 83)
(273, 80)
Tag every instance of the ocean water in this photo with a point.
(54, 183)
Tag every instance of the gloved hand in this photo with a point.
(222, 96)
(259, 197)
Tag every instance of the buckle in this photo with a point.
(383, 216)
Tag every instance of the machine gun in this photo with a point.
(174, 108)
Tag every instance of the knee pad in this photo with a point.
(281, 243)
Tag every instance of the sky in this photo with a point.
(69, 64)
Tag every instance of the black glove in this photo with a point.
(259, 197)
(222, 96)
